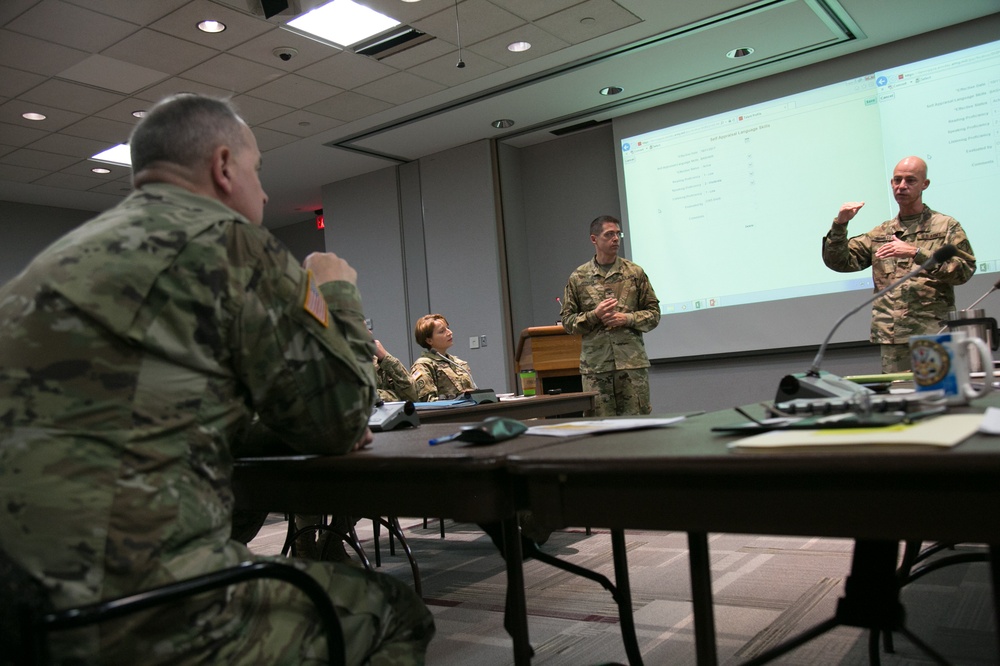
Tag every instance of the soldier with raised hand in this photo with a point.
(134, 353)
(610, 301)
(919, 306)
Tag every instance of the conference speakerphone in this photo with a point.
(878, 403)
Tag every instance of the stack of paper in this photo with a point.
(941, 431)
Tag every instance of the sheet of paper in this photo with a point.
(592, 427)
(991, 422)
(941, 431)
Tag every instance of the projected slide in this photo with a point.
(739, 201)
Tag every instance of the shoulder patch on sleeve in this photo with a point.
(315, 304)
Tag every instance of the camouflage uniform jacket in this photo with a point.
(920, 305)
(393, 381)
(133, 353)
(440, 377)
(608, 349)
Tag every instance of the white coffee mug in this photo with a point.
(941, 363)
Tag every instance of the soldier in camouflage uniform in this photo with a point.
(610, 301)
(133, 353)
(437, 375)
(920, 305)
(393, 380)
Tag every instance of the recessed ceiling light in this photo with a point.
(503, 123)
(115, 155)
(211, 26)
(611, 90)
(741, 52)
(101, 170)
(139, 113)
(31, 115)
(518, 47)
(342, 22)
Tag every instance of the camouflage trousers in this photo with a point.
(895, 358)
(620, 392)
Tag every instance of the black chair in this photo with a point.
(27, 617)
(914, 553)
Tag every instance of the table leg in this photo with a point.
(995, 571)
(624, 597)
(701, 599)
(516, 615)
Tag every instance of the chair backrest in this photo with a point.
(23, 601)
(26, 613)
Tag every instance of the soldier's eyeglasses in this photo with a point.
(611, 234)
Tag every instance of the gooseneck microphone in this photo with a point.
(813, 384)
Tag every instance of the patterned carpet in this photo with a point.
(766, 590)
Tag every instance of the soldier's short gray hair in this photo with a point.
(184, 129)
(598, 224)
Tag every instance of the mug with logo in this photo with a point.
(942, 362)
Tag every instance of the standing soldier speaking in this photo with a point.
(610, 301)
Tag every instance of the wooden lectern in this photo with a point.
(553, 354)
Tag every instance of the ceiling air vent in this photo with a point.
(579, 127)
(392, 41)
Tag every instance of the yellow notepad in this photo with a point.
(940, 431)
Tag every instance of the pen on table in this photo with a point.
(442, 440)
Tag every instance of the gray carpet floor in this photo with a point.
(766, 589)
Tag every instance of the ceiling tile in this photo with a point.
(140, 13)
(183, 23)
(261, 49)
(444, 71)
(34, 55)
(14, 135)
(70, 25)
(100, 129)
(531, 10)
(20, 174)
(302, 123)
(6, 149)
(478, 20)
(122, 111)
(71, 96)
(268, 139)
(83, 168)
(400, 88)
(495, 48)
(74, 146)
(232, 73)
(110, 74)
(348, 106)
(155, 50)
(114, 188)
(178, 85)
(347, 70)
(37, 159)
(587, 20)
(13, 82)
(292, 86)
(55, 119)
(11, 8)
(257, 111)
(69, 181)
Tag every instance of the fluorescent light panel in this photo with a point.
(115, 155)
(343, 22)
